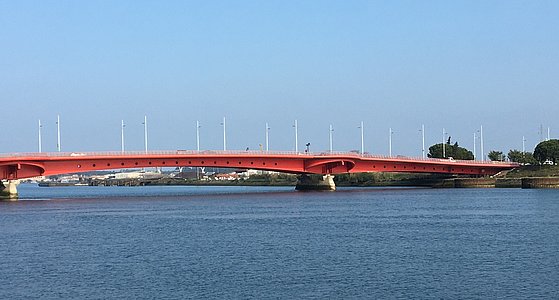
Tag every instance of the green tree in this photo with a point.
(496, 155)
(454, 151)
(526, 158)
(547, 150)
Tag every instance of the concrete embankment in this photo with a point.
(474, 182)
(444, 184)
(540, 183)
(525, 183)
(479, 183)
(508, 183)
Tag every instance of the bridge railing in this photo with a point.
(239, 153)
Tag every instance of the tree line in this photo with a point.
(546, 152)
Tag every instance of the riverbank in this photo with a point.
(532, 171)
(525, 177)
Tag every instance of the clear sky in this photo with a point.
(398, 64)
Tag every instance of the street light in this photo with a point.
(330, 134)
(122, 136)
(444, 142)
(422, 140)
(267, 137)
(296, 133)
(481, 142)
(197, 135)
(224, 136)
(390, 133)
(362, 139)
(40, 138)
(58, 147)
(145, 133)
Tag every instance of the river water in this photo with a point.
(273, 242)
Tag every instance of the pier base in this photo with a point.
(315, 183)
(8, 190)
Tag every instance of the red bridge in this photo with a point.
(25, 165)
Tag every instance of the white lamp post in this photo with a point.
(362, 139)
(330, 134)
(481, 142)
(390, 132)
(224, 135)
(267, 137)
(40, 138)
(58, 147)
(122, 136)
(145, 133)
(444, 142)
(197, 135)
(296, 137)
(422, 140)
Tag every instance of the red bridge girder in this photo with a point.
(18, 166)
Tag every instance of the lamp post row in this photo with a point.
(296, 129)
(267, 129)
(223, 123)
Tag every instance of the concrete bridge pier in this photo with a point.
(8, 190)
(315, 183)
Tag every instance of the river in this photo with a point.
(272, 242)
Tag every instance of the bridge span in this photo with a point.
(26, 165)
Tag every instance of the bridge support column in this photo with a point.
(315, 183)
(8, 190)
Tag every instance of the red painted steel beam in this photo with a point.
(18, 166)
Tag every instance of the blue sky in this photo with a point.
(398, 64)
